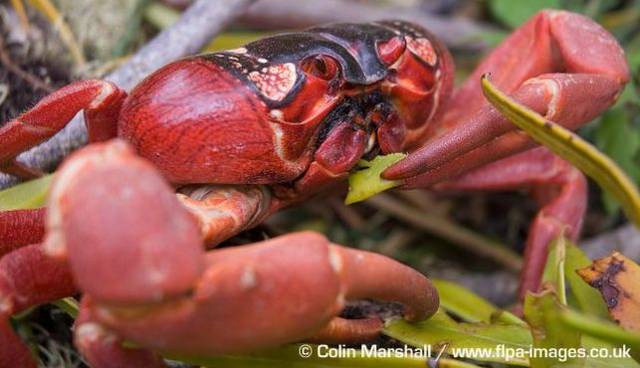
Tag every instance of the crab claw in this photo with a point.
(127, 236)
(137, 255)
(275, 292)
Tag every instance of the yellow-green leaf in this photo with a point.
(572, 148)
(367, 182)
(68, 305)
(442, 331)
(587, 298)
(554, 268)
(467, 305)
(31, 194)
(601, 329)
(542, 312)
(291, 357)
(233, 40)
(615, 358)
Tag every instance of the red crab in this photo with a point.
(263, 127)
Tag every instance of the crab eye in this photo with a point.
(390, 51)
(320, 66)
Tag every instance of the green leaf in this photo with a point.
(68, 305)
(442, 331)
(620, 141)
(587, 298)
(31, 194)
(458, 300)
(233, 40)
(600, 329)
(513, 13)
(542, 312)
(367, 182)
(290, 356)
(554, 268)
(160, 15)
(612, 361)
(571, 147)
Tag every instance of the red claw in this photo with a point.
(167, 295)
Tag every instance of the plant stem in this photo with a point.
(448, 230)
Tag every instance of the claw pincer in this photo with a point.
(137, 255)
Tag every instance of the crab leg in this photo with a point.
(27, 277)
(559, 188)
(560, 64)
(13, 353)
(19, 228)
(101, 101)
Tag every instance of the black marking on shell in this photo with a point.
(352, 45)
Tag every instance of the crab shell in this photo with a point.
(263, 113)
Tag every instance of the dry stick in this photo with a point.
(348, 214)
(278, 14)
(447, 230)
(34, 81)
(198, 25)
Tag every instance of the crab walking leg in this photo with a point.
(100, 100)
(504, 146)
(27, 277)
(19, 228)
(562, 65)
(13, 353)
(559, 188)
(263, 295)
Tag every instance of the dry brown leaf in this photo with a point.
(617, 278)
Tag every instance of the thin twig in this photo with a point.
(198, 25)
(458, 235)
(34, 81)
(348, 214)
(279, 14)
(48, 9)
(18, 6)
(397, 239)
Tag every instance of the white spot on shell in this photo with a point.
(262, 60)
(248, 279)
(422, 48)
(276, 114)
(240, 50)
(275, 81)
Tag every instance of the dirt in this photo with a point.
(27, 70)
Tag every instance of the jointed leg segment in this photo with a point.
(561, 65)
(100, 100)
